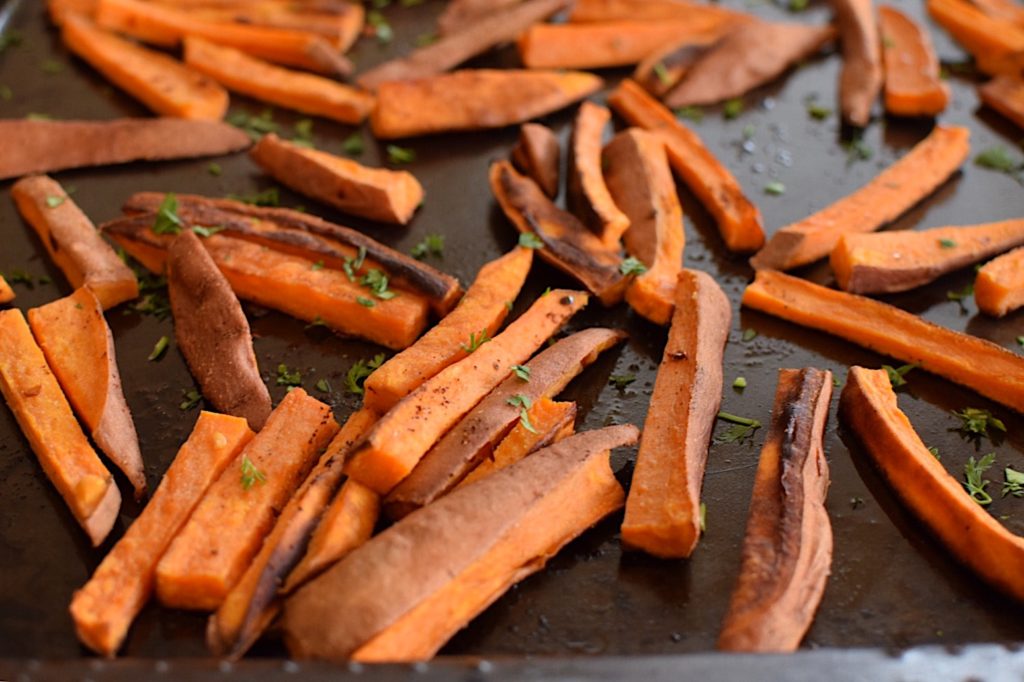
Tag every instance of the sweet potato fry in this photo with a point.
(6, 292)
(538, 155)
(104, 608)
(662, 69)
(999, 286)
(46, 146)
(305, 92)
(861, 77)
(586, 192)
(458, 14)
(213, 333)
(739, 220)
(912, 83)
(887, 262)
(1005, 94)
(473, 438)
(787, 551)
(58, 9)
(641, 185)
(465, 550)
(73, 242)
(978, 364)
(43, 413)
(404, 435)
(377, 193)
(996, 45)
(1004, 10)
(705, 14)
(888, 196)
(474, 99)
(211, 551)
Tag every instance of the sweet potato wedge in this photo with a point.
(663, 510)
(586, 192)
(472, 439)
(211, 551)
(1005, 94)
(538, 155)
(978, 364)
(6, 292)
(787, 551)
(996, 45)
(104, 608)
(213, 333)
(78, 346)
(43, 413)
(58, 9)
(662, 69)
(253, 77)
(999, 286)
(1004, 10)
(862, 74)
(475, 99)
(705, 14)
(73, 242)
(568, 244)
(888, 196)
(465, 550)
(46, 146)
(404, 435)
(912, 83)
(887, 262)
(641, 184)
(377, 193)
(739, 220)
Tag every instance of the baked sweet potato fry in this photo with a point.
(474, 437)
(888, 196)
(420, 581)
(887, 262)
(475, 99)
(104, 608)
(211, 551)
(1005, 94)
(739, 220)
(43, 413)
(996, 45)
(305, 92)
(978, 364)
(999, 286)
(73, 242)
(6, 292)
(586, 192)
(912, 83)
(1004, 10)
(706, 14)
(538, 156)
(860, 80)
(389, 196)
(458, 14)
(78, 346)
(787, 551)
(662, 69)
(58, 9)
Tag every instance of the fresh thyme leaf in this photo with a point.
(205, 231)
(159, 349)
(621, 381)
(521, 371)
(323, 386)
(691, 113)
(976, 422)
(897, 374)
(732, 108)
(632, 266)
(749, 335)
(973, 481)
(287, 377)
(398, 154)
(740, 383)
(360, 371)
(250, 474)
(476, 340)
(353, 144)
(775, 188)
(377, 282)
(432, 245)
(192, 398)
(947, 243)
(662, 74)
(268, 197)
(528, 240)
(1014, 483)
(167, 220)
(53, 201)
(742, 428)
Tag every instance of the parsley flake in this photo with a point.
(360, 371)
(662, 74)
(250, 474)
(268, 197)
(632, 266)
(353, 144)
(976, 422)
(380, 26)
(205, 231)
(739, 383)
(192, 398)
(528, 240)
(775, 188)
(521, 371)
(365, 302)
(999, 159)
(323, 386)
(432, 245)
(897, 374)
(524, 404)
(691, 113)
(749, 335)
(398, 154)
(621, 381)
(254, 126)
(167, 220)
(54, 200)
(377, 282)
(973, 481)
(214, 169)
(476, 340)
(159, 349)
(947, 243)
(742, 428)
(287, 377)
(732, 108)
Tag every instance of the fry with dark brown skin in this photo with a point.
(861, 77)
(1005, 94)
(538, 155)
(655, 10)
(996, 45)
(913, 86)
(586, 192)
(999, 286)
(787, 551)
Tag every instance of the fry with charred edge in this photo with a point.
(538, 155)
(305, 92)
(465, 551)
(981, 365)
(861, 77)
(78, 346)
(475, 99)
(377, 193)
(213, 333)
(43, 413)
(1005, 94)
(474, 438)
(969, 532)
(996, 45)
(999, 286)
(888, 196)
(662, 69)
(104, 608)
(787, 551)
(739, 221)
(586, 192)
(46, 146)
(458, 14)
(641, 184)
(6, 292)
(887, 262)
(73, 242)
(654, 10)
(912, 83)
(211, 551)
(567, 243)
(404, 435)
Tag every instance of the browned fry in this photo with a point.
(587, 193)
(860, 81)
(538, 155)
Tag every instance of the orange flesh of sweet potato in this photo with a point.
(912, 83)
(887, 262)
(663, 509)
(104, 608)
(654, 10)
(483, 309)
(981, 365)
(662, 69)
(474, 437)
(458, 14)
(163, 84)
(999, 286)
(461, 552)
(474, 99)
(869, 407)
(6, 292)
(43, 413)
(787, 550)
(586, 192)
(538, 155)
(402, 436)
(211, 551)
(996, 45)
(58, 9)
(641, 184)
(213, 333)
(1005, 10)
(862, 74)
(568, 244)
(305, 92)
(79, 348)
(377, 193)
(739, 220)
(889, 195)
(73, 242)
(1005, 94)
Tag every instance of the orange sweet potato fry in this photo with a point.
(58, 9)
(538, 155)
(706, 14)
(1005, 94)
(459, 14)
(861, 78)
(996, 45)
(912, 83)
(999, 286)
(662, 69)
(587, 193)
(6, 292)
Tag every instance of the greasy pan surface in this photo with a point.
(892, 585)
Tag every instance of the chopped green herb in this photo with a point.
(528, 240)
(6, 94)
(167, 220)
(35, 116)
(521, 371)
(53, 201)
(976, 422)
(524, 404)
(45, 279)
(159, 349)
(856, 502)
(377, 282)
(1020, 340)
(897, 374)
(999, 159)
(742, 428)
(18, 276)
(749, 335)
(621, 381)
(819, 112)
(973, 481)
(207, 231)
(360, 371)
(432, 245)
(662, 74)
(365, 302)
(287, 377)
(1014, 483)
(268, 197)
(691, 113)
(961, 296)
(798, 5)
(935, 453)
(153, 304)
(254, 126)
(476, 340)
(319, 265)
(250, 474)
(381, 27)
(740, 383)
(947, 243)
(398, 154)
(703, 518)
(351, 266)
(323, 386)
(632, 266)
(732, 108)
(192, 398)
(748, 131)
(317, 322)
(424, 39)
(775, 188)
(51, 67)
(214, 169)
(303, 132)
(858, 150)
(11, 38)
(353, 144)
